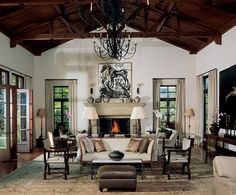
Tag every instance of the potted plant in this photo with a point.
(215, 127)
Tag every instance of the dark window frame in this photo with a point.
(168, 100)
(62, 110)
(205, 103)
(8, 74)
(18, 77)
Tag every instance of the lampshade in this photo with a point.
(90, 113)
(41, 112)
(138, 113)
(189, 112)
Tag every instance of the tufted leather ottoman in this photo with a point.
(117, 177)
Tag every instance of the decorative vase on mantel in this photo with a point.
(214, 129)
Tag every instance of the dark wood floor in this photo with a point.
(7, 167)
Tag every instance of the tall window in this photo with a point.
(168, 103)
(61, 107)
(17, 80)
(205, 103)
(4, 77)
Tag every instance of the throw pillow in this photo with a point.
(133, 145)
(88, 143)
(99, 146)
(150, 146)
(143, 145)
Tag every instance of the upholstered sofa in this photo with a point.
(169, 141)
(224, 170)
(120, 144)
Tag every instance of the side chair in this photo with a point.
(177, 155)
(55, 158)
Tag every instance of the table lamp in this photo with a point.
(91, 114)
(138, 113)
(189, 113)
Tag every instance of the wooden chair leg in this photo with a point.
(45, 171)
(189, 173)
(168, 171)
(183, 168)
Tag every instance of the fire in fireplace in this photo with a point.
(114, 126)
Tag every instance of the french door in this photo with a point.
(8, 132)
(24, 120)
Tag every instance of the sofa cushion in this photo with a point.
(223, 166)
(88, 143)
(150, 146)
(143, 145)
(99, 146)
(133, 145)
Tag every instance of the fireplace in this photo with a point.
(114, 126)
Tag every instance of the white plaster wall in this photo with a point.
(77, 60)
(16, 58)
(218, 56)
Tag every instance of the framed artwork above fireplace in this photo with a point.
(115, 80)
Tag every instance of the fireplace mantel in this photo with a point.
(119, 110)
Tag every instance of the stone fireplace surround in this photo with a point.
(115, 111)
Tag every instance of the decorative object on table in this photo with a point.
(116, 155)
(91, 114)
(41, 113)
(159, 116)
(138, 113)
(189, 113)
(115, 80)
(91, 99)
(105, 100)
(137, 99)
(128, 100)
(120, 100)
(215, 127)
(98, 100)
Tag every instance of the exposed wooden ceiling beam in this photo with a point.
(35, 2)
(65, 36)
(10, 10)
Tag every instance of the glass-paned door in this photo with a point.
(24, 120)
(61, 109)
(7, 122)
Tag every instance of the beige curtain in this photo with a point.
(156, 99)
(73, 100)
(212, 95)
(199, 110)
(180, 107)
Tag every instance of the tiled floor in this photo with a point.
(9, 166)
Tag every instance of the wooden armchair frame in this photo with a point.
(182, 155)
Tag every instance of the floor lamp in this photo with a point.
(41, 113)
(91, 114)
(189, 113)
(138, 113)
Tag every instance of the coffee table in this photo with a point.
(136, 162)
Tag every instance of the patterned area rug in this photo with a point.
(29, 180)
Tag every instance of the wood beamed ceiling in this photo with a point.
(39, 25)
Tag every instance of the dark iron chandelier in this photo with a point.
(111, 16)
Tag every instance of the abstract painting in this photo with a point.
(115, 80)
(228, 97)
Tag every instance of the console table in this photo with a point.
(217, 139)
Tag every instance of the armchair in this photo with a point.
(224, 170)
(57, 157)
(176, 155)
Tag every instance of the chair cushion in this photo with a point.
(150, 146)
